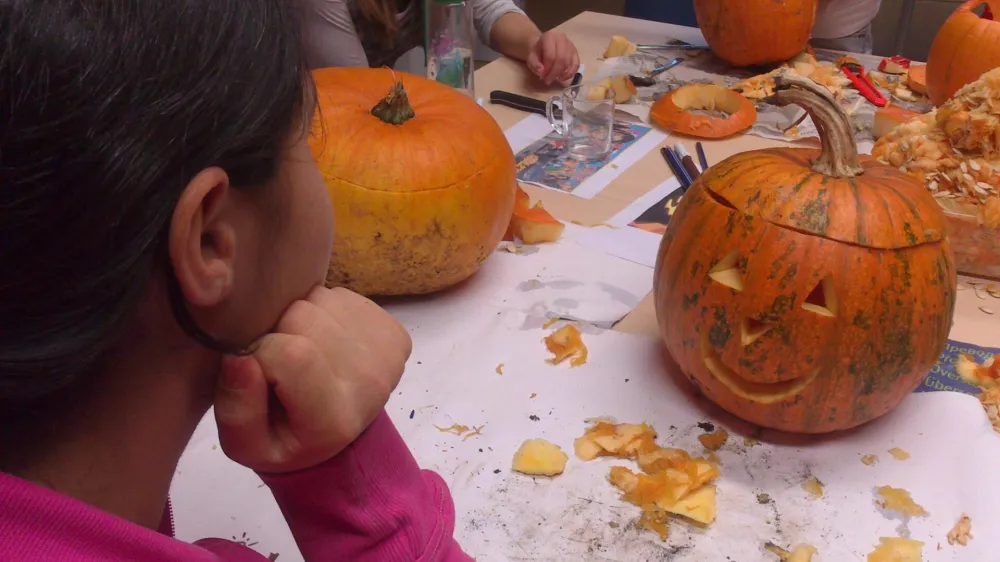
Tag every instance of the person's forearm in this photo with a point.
(370, 503)
(513, 35)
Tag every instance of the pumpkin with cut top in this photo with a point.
(422, 180)
(806, 290)
(965, 47)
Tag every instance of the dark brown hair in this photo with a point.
(383, 13)
(107, 111)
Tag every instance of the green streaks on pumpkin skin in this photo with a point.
(789, 276)
(862, 320)
(775, 268)
(781, 330)
(719, 333)
(731, 223)
(695, 267)
(802, 182)
(911, 238)
(689, 301)
(904, 263)
(814, 216)
(860, 234)
(782, 304)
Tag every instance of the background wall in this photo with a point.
(928, 15)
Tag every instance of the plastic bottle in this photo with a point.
(450, 41)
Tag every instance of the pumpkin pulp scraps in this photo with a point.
(566, 343)
(987, 377)
(532, 224)
(539, 457)
(897, 549)
(671, 482)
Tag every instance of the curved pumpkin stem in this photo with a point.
(839, 154)
(394, 108)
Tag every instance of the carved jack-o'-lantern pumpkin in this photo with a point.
(806, 290)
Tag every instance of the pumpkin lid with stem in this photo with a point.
(394, 108)
(833, 192)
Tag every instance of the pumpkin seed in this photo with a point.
(963, 167)
(986, 310)
(975, 165)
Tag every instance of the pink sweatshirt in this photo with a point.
(370, 503)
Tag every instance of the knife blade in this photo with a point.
(533, 105)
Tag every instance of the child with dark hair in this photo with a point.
(160, 213)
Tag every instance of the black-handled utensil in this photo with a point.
(521, 103)
(533, 105)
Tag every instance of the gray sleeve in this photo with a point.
(329, 36)
(486, 13)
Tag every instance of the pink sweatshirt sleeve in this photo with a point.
(370, 503)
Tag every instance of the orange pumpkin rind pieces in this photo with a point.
(674, 111)
(671, 481)
(897, 549)
(532, 224)
(984, 375)
(566, 343)
(961, 533)
(715, 440)
(900, 501)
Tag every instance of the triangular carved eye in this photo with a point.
(727, 272)
(751, 329)
(822, 299)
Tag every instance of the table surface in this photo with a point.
(591, 32)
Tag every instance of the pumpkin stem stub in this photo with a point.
(839, 153)
(394, 108)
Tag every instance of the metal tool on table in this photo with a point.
(650, 78)
(672, 47)
(856, 74)
(537, 106)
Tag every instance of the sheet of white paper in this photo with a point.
(505, 517)
(534, 127)
(557, 280)
(627, 242)
(452, 379)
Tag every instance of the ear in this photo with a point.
(202, 242)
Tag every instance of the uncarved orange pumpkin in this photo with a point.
(966, 47)
(750, 32)
(421, 177)
(806, 290)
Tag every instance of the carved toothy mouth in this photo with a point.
(764, 393)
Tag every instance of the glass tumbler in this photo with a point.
(585, 122)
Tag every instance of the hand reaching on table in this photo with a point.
(553, 57)
(313, 386)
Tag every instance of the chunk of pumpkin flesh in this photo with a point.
(698, 506)
(900, 501)
(534, 225)
(681, 492)
(897, 549)
(538, 457)
(799, 552)
(565, 343)
(521, 201)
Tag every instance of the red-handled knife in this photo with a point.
(856, 74)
